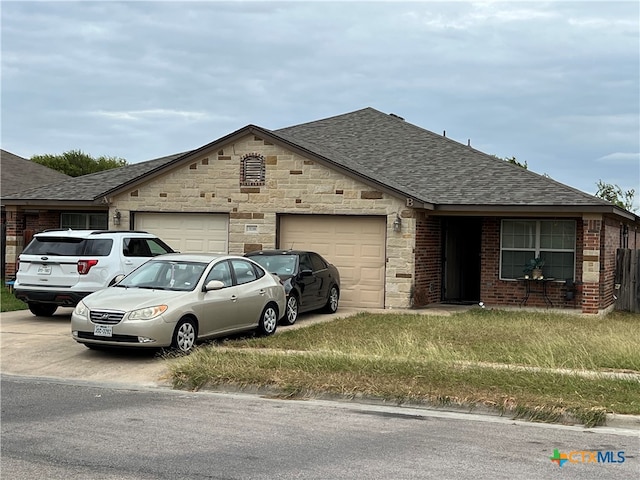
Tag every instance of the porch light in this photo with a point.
(397, 224)
(116, 217)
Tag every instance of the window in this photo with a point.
(252, 170)
(245, 272)
(317, 262)
(552, 240)
(220, 272)
(305, 262)
(65, 246)
(85, 221)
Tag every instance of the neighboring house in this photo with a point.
(409, 217)
(19, 175)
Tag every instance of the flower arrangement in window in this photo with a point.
(533, 269)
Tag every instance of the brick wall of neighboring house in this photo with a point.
(293, 184)
(45, 220)
(428, 275)
(13, 244)
(21, 227)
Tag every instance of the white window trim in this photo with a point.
(537, 247)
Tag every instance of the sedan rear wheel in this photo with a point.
(332, 301)
(292, 311)
(268, 320)
(184, 336)
(43, 309)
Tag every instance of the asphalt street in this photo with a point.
(73, 413)
(59, 429)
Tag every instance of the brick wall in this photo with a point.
(592, 262)
(494, 291)
(428, 270)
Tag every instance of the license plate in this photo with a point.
(44, 270)
(103, 330)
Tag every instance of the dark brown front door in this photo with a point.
(461, 267)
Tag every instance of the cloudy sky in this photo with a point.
(555, 84)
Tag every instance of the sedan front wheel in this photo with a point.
(268, 320)
(184, 336)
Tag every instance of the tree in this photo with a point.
(615, 195)
(514, 161)
(76, 163)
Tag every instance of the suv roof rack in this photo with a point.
(93, 232)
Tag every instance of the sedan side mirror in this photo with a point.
(306, 273)
(118, 279)
(213, 285)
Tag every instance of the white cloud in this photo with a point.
(621, 158)
(157, 113)
(553, 83)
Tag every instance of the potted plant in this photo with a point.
(534, 268)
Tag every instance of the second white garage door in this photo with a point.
(354, 244)
(188, 232)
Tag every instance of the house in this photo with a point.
(410, 217)
(19, 175)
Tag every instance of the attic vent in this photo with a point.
(252, 170)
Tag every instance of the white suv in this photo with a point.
(60, 267)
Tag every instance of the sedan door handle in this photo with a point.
(234, 298)
(262, 292)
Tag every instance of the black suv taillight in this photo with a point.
(85, 265)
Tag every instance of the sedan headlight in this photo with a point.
(81, 310)
(148, 313)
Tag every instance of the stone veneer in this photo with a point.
(294, 185)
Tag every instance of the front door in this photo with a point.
(461, 262)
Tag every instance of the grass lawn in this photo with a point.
(515, 362)
(8, 301)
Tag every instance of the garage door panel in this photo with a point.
(187, 232)
(355, 244)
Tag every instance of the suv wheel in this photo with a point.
(43, 309)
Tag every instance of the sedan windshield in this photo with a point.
(282, 265)
(165, 275)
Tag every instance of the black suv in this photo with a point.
(310, 281)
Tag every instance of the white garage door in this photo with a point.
(188, 232)
(354, 244)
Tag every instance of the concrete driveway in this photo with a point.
(43, 347)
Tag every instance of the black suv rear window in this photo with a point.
(73, 247)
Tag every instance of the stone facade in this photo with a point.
(293, 185)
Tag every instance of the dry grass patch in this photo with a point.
(440, 360)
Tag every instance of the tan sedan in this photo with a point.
(174, 300)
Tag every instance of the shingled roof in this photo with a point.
(93, 186)
(429, 167)
(380, 148)
(20, 174)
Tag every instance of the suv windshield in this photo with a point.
(279, 264)
(64, 246)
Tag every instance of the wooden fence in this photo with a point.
(627, 280)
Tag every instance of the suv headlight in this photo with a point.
(81, 310)
(148, 313)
